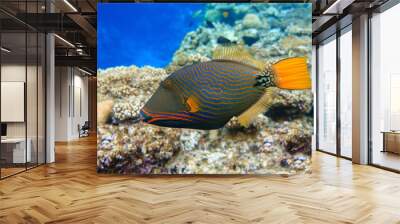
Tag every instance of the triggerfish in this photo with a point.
(207, 95)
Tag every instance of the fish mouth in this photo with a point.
(145, 115)
(158, 118)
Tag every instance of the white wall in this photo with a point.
(62, 81)
(12, 73)
(71, 94)
(13, 101)
(16, 73)
(80, 110)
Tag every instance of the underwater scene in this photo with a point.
(204, 88)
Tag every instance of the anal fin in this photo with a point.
(260, 106)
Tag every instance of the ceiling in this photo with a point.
(75, 23)
(331, 15)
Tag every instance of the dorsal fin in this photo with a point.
(260, 106)
(239, 54)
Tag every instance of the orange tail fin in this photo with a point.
(292, 73)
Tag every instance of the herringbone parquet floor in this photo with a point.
(70, 191)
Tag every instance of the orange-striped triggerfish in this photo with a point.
(207, 95)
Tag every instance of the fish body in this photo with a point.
(219, 90)
(207, 95)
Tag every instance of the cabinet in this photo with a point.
(391, 142)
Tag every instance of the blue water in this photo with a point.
(142, 33)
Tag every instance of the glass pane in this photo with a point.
(386, 89)
(31, 99)
(23, 90)
(346, 94)
(314, 79)
(13, 86)
(31, 87)
(327, 96)
(41, 99)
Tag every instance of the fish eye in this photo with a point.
(184, 102)
(166, 83)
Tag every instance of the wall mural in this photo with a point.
(217, 88)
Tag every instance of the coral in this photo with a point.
(268, 146)
(250, 36)
(277, 142)
(290, 42)
(130, 149)
(272, 31)
(298, 30)
(251, 21)
(212, 15)
(290, 104)
(182, 59)
(298, 141)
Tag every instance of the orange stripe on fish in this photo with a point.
(167, 118)
(164, 113)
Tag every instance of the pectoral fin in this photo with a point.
(260, 106)
(193, 104)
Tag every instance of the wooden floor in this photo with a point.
(10, 171)
(70, 191)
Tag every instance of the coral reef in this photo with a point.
(251, 21)
(270, 31)
(268, 146)
(277, 142)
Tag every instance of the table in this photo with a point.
(16, 147)
(391, 141)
